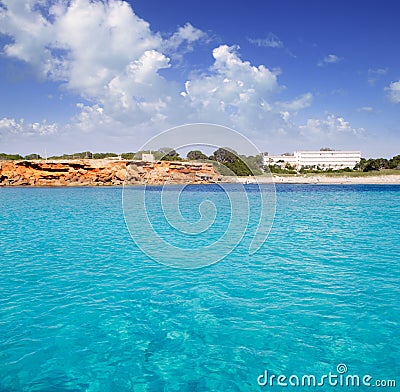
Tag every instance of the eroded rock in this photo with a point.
(103, 172)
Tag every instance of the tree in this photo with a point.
(235, 163)
(225, 155)
(196, 155)
(361, 165)
(394, 163)
(31, 157)
(255, 163)
(81, 155)
(376, 164)
(102, 155)
(239, 167)
(169, 154)
(129, 155)
(281, 170)
(10, 157)
(290, 167)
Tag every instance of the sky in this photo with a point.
(289, 75)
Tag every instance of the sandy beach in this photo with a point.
(318, 179)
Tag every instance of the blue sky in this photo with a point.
(288, 74)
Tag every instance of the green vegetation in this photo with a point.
(85, 155)
(228, 161)
(305, 170)
(255, 163)
(17, 157)
(281, 170)
(196, 155)
(102, 155)
(373, 166)
(169, 154)
(32, 157)
(130, 156)
(10, 157)
(76, 155)
(240, 165)
(224, 155)
(378, 164)
(356, 173)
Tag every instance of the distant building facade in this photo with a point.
(316, 159)
(148, 157)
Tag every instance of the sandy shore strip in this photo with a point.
(317, 179)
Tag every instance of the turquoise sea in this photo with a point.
(83, 309)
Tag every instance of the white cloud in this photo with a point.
(20, 127)
(83, 43)
(92, 118)
(271, 41)
(232, 91)
(330, 127)
(297, 104)
(329, 59)
(185, 35)
(394, 91)
(139, 83)
(110, 57)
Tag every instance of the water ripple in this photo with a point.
(82, 309)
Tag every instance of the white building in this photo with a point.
(323, 159)
(280, 160)
(148, 157)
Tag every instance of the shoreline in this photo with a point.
(392, 179)
(311, 180)
(104, 173)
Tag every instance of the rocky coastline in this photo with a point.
(104, 172)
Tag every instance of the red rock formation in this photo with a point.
(97, 172)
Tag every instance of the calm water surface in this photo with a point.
(83, 309)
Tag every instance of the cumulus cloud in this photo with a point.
(107, 55)
(184, 36)
(329, 59)
(82, 43)
(232, 91)
(20, 127)
(394, 91)
(100, 50)
(92, 118)
(271, 41)
(330, 127)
